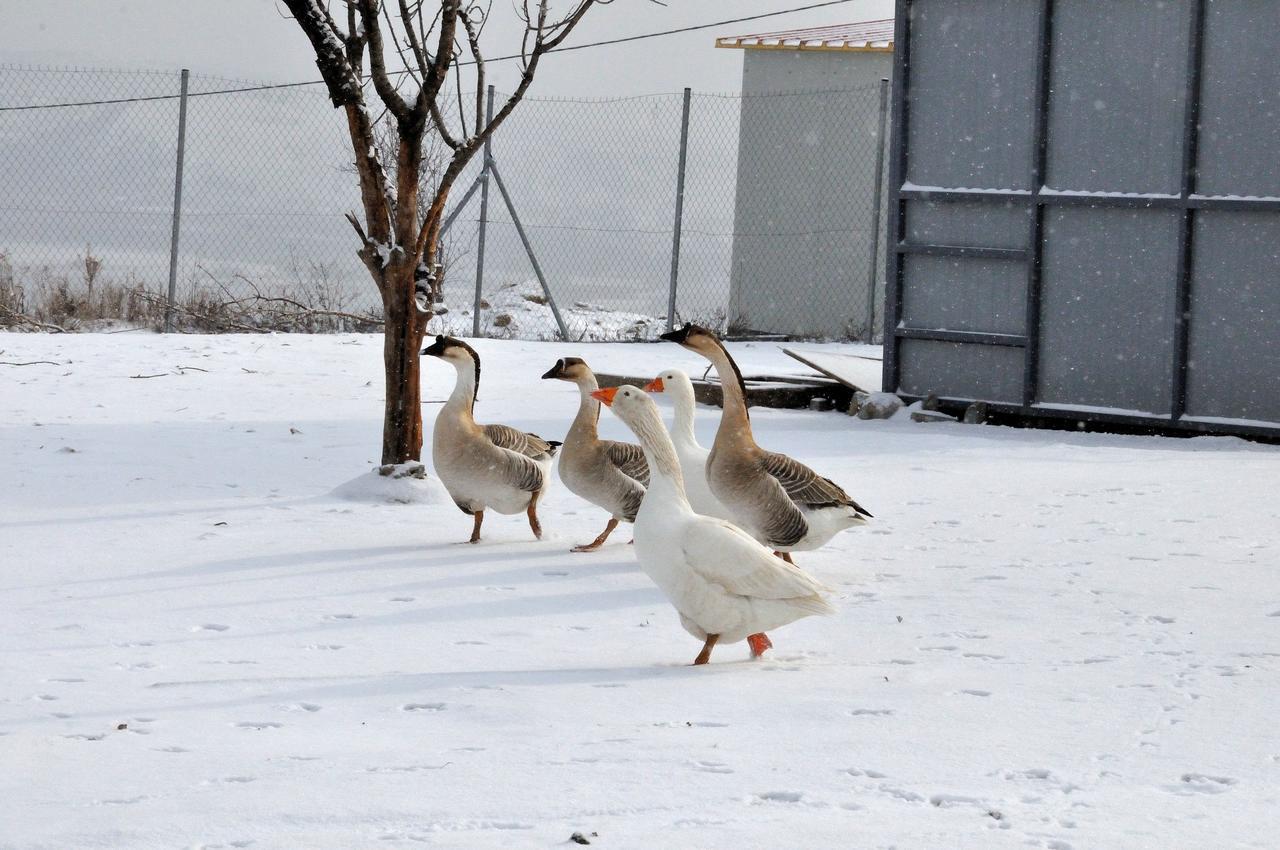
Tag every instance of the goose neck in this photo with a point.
(666, 482)
(462, 400)
(735, 419)
(584, 423)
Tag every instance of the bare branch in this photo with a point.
(415, 44)
(377, 63)
(449, 11)
(13, 316)
(409, 67)
(473, 40)
(330, 45)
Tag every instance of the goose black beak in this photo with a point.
(435, 349)
(679, 335)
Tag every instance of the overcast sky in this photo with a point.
(254, 40)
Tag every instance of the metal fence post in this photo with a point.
(877, 198)
(484, 217)
(177, 206)
(675, 235)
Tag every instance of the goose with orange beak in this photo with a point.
(608, 474)
(775, 498)
(725, 586)
(693, 457)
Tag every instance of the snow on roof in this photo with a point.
(865, 36)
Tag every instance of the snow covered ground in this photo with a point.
(1045, 639)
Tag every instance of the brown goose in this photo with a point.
(608, 474)
(485, 466)
(778, 500)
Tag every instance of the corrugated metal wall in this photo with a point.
(1086, 209)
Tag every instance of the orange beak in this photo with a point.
(654, 386)
(606, 395)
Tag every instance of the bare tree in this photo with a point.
(431, 43)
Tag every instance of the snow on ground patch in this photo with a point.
(397, 484)
(201, 646)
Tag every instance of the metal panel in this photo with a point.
(1151, 257)
(965, 294)
(973, 99)
(1240, 106)
(1108, 307)
(1118, 95)
(992, 224)
(960, 370)
(1234, 347)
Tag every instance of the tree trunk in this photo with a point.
(401, 344)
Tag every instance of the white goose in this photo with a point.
(775, 498)
(485, 466)
(693, 457)
(608, 474)
(725, 586)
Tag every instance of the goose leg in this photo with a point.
(599, 541)
(532, 511)
(786, 556)
(759, 642)
(705, 655)
(475, 531)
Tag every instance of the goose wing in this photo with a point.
(629, 459)
(805, 487)
(520, 442)
(723, 554)
(520, 471)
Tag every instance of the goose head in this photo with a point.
(572, 369)
(456, 353)
(695, 338)
(631, 404)
(672, 381)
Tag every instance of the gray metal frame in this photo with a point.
(1038, 202)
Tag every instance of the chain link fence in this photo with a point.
(590, 229)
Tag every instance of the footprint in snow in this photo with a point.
(712, 767)
(974, 692)
(870, 712)
(1202, 783)
(423, 706)
(902, 794)
(948, 800)
(340, 617)
(210, 627)
(309, 707)
(126, 801)
(401, 599)
(870, 774)
(259, 725)
(780, 796)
